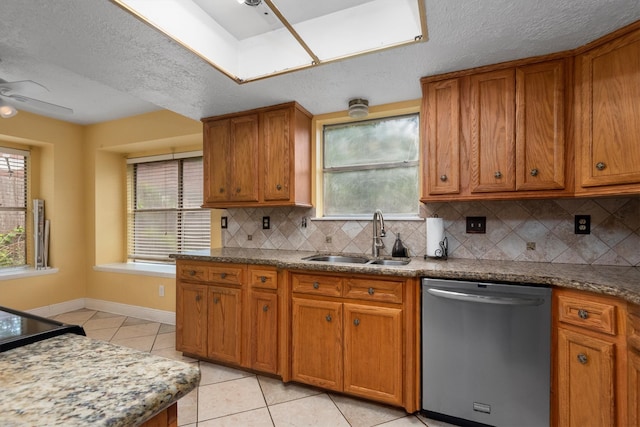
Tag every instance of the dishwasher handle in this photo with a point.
(484, 299)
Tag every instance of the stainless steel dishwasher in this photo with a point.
(486, 353)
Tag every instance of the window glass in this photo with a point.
(13, 208)
(164, 209)
(372, 165)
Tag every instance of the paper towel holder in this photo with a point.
(442, 252)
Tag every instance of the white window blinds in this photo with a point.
(164, 214)
(13, 207)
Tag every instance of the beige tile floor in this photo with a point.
(229, 397)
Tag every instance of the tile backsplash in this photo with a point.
(511, 226)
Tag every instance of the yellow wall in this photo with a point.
(81, 175)
(59, 181)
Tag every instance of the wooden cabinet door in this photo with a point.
(264, 331)
(540, 143)
(215, 158)
(610, 108)
(442, 131)
(492, 133)
(191, 318)
(317, 343)
(243, 158)
(276, 154)
(585, 380)
(373, 352)
(224, 324)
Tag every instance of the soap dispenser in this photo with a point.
(399, 250)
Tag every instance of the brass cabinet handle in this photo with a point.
(223, 275)
(443, 178)
(265, 308)
(356, 322)
(198, 298)
(582, 358)
(216, 300)
(534, 172)
(371, 291)
(583, 314)
(238, 190)
(328, 318)
(316, 285)
(601, 166)
(192, 273)
(222, 190)
(498, 174)
(278, 187)
(263, 279)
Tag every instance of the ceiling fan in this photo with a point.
(14, 94)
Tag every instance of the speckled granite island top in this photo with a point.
(623, 282)
(71, 380)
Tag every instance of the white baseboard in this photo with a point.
(152, 314)
(155, 315)
(55, 309)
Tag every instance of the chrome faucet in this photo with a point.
(378, 233)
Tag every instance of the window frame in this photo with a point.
(131, 201)
(26, 209)
(378, 112)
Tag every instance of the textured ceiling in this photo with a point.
(105, 64)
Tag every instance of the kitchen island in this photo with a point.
(72, 380)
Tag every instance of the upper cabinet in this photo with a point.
(495, 133)
(609, 116)
(260, 157)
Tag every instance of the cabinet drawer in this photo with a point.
(193, 272)
(226, 274)
(596, 316)
(374, 290)
(264, 279)
(317, 285)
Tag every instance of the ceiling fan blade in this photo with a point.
(23, 86)
(41, 105)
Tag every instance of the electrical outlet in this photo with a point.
(249, 237)
(327, 239)
(582, 224)
(476, 224)
(223, 222)
(531, 246)
(266, 222)
(161, 291)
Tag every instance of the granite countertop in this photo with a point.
(72, 380)
(623, 282)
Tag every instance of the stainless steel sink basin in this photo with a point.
(389, 261)
(354, 259)
(338, 258)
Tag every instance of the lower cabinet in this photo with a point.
(591, 360)
(264, 332)
(191, 318)
(352, 343)
(224, 324)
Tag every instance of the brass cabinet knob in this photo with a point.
(198, 298)
(192, 272)
(498, 174)
(265, 308)
(216, 300)
(443, 178)
(223, 275)
(601, 166)
(238, 190)
(583, 314)
(316, 285)
(356, 322)
(222, 190)
(328, 318)
(582, 358)
(371, 291)
(278, 187)
(263, 279)
(534, 172)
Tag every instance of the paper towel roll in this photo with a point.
(435, 235)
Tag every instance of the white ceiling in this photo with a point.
(105, 64)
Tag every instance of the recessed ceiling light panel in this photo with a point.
(278, 36)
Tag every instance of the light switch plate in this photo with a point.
(476, 224)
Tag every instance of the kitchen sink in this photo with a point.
(354, 259)
(338, 258)
(389, 261)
